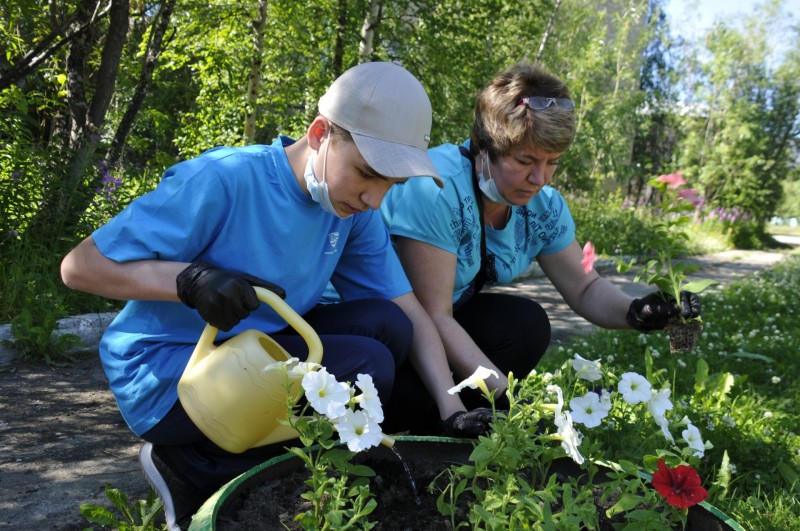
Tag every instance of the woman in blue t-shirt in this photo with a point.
(494, 217)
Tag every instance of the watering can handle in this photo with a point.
(206, 342)
(295, 321)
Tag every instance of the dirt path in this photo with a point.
(62, 439)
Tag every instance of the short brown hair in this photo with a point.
(339, 134)
(502, 123)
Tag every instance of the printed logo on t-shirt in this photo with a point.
(333, 239)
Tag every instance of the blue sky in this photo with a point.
(692, 17)
(700, 14)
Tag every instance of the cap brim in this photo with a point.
(398, 161)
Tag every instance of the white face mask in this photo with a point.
(319, 190)
(489, 186)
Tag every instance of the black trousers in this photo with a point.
(513, 332)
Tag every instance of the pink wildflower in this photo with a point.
(673, 180)
(690, 194)
(588, 258)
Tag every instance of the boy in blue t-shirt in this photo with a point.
(289, 217)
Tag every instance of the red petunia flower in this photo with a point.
(588, 258)
(680, 485)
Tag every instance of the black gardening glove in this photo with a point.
(467, 423)
(222, 297)
(652, 311)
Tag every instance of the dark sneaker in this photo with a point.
(181, 500)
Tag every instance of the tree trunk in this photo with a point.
(67, 200)
(546, 34)
(62, 34)
(160, 26)
(254, 79)
(341, 28)
(368, 31)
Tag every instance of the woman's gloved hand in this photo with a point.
(652, 311)
(467, 423)
(222, 297)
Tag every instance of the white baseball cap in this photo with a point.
(388, 113)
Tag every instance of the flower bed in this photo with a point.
(269, 495)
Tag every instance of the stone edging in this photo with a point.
(88, 327)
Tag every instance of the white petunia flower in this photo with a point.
(279, 365)
(369, 399)
(663, 423)
(474, 381)
(295, 368)
(589, 410)
(301, 368)
(634, 388)
(693, 439)
(325, 394)
(659, 403)
(570, 438)
(358, 430)
(605, 399)
(586, 369)
(556, 390)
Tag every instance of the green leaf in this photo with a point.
(790, 475)
(700, 374)
(696, 286)
(120, 501)
(723, 475)
(337, 457)
(625, 503)
(752, 356)
(360, 470)
(98, 515)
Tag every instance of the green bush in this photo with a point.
(617, 228)
(611, 226)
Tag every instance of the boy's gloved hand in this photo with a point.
(467, 423)
(652, 311)
(222, 297)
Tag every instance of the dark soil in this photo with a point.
(400, 507)
(271, 499)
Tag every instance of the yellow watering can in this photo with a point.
(227, 393)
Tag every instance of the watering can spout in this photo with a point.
(228, 394)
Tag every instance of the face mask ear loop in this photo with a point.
(488, 167)
(325, 155)
(485, 162)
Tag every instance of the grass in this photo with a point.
(751, 342)
(783, 229)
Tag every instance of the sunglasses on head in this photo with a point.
(539, 103)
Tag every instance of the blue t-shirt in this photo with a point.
(448, 218)
(239, 209)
